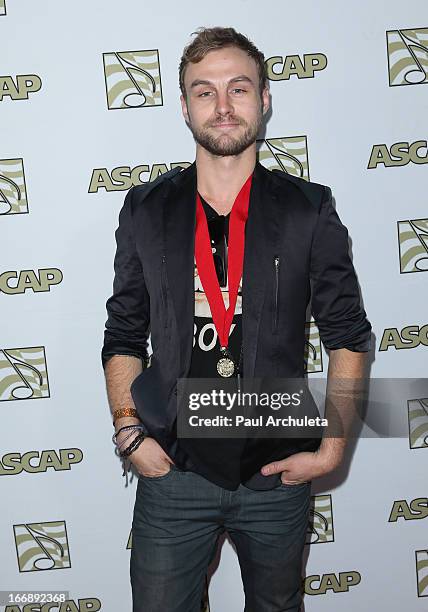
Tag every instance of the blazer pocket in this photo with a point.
(276, 264)
(150, 398)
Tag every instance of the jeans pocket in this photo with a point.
(162, 476)
(283, 485)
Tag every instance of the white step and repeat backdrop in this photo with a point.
(349, 110)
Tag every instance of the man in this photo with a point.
(292, 240)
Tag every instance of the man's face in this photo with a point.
(224, 109)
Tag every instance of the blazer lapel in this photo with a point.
(262, 236)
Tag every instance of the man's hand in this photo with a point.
(304, 466)
(345, 380)
(150, 459)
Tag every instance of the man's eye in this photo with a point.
(202, 95)
(238, 89)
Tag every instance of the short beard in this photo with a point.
(224, 145)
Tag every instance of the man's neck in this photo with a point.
(220, 179)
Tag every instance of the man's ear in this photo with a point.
(266, 100)
(184, 108)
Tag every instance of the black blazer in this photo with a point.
(153, 290)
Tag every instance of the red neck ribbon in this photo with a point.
(222, 318)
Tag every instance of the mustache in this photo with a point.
(222, 120)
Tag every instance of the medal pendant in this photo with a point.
(225, 365)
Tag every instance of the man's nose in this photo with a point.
(224, 103)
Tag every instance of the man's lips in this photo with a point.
(222, 125)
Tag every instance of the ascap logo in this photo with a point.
(407, 56)
(12, 282)
(123, 178)
(2, 7)
(23, 373)
(410, 337)
(418, 422)
(319, 585)
(132, 79)
(417, 509)
(313, 353)
(422, 572)
(13, 192)
(20, 88)
(282, 68)
(289, 154)
(413, 245)
(400, 154)
(89, 604)
(42, 546)
(34, 462)
(320, 520)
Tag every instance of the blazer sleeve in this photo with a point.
(336, 308)
(127, 326)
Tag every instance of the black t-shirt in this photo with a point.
(217, 459)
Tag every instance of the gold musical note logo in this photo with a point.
(320, 528)
(417, 410)
(13, 193)
(288, 154)
(422, 572)
(413, 245)
(42, 546)
(23, 373)
(407, 56)
(313, 353)
(132, 79)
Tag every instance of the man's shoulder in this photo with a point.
(140, 192)
(314, 192)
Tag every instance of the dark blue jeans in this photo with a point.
(177, 521)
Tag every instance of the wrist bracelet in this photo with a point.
(133, 446)
(123, 412)
(126, 428)
(122, 444)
